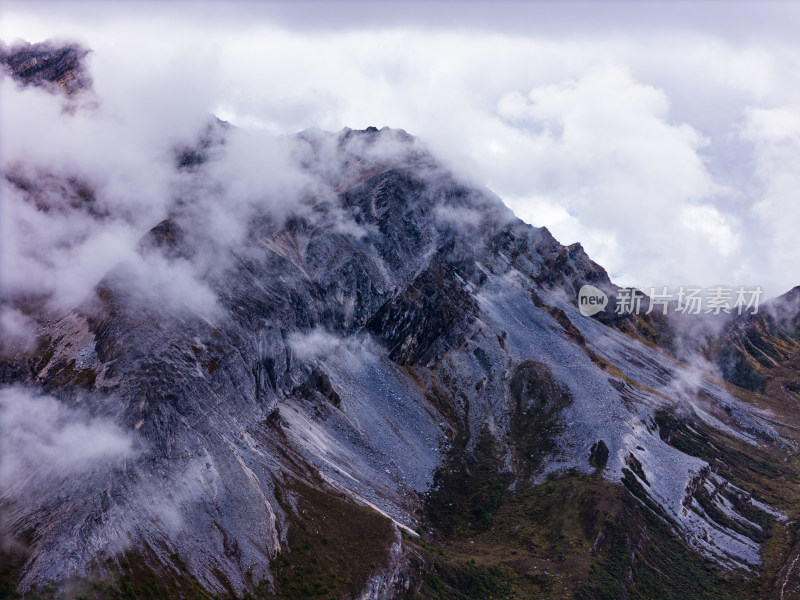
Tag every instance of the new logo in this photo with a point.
(591, 300)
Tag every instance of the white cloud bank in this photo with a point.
(42, 439)
(669, 150)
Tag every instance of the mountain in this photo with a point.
(384, 388)
(53, 66)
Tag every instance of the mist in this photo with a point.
(670, 160)
(43, 440)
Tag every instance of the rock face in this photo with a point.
(402, 357)
(754, 351)
(55, 67)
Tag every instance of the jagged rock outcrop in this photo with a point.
(50, 65)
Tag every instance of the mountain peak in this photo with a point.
(54, 66)
(384, 383)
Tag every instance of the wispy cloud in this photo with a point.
(43, 440)
(650, 145)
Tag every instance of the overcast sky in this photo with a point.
(665, 137)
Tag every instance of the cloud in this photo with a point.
(648, 144)
(775, 135)
(47, 253)
(314, 345)
(708, 222)
(81, 189)
(459, 217)
(43, 439)
(78, 192)
(602, 146)
(18, 331)
(53, 454)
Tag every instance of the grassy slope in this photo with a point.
(574, 536)
(578, 536)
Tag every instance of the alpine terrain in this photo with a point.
(375, 383)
